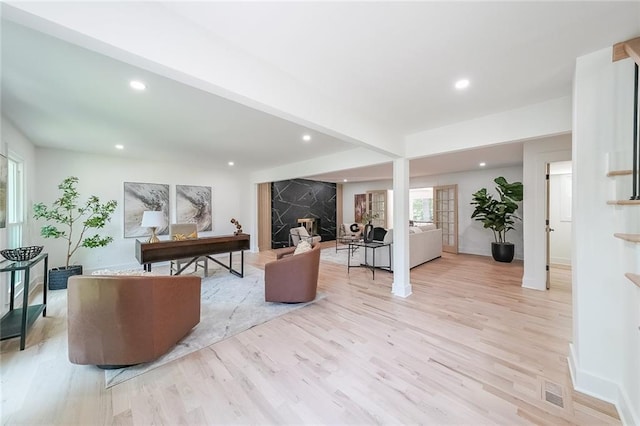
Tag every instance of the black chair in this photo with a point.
(379, 233)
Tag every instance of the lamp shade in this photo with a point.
(152, 219)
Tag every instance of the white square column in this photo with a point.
(401, 285)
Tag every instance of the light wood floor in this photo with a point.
(469, 346)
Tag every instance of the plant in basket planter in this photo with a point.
(74, 221)
(499, 215)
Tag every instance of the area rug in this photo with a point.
(330, 255)
(229, 305)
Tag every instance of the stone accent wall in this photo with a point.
(301, 198)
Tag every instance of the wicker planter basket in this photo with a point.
(58, 276)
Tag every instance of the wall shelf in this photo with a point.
(619, 173)
(633, 238)
(624, 202)
(635, 278)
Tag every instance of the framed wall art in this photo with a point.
(140, 197)
(360, 206)
(193, 205)
(4, 165)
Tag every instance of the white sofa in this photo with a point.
(425, 244)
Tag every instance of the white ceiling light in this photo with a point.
(231, 163)
(137, 85)
(118, 146)
(482, 164)
(306, 138)
(462, 84)
(344, 180)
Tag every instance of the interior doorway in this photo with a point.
(558, 222)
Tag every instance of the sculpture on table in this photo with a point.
(238, 227)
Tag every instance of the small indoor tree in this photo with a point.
(74, 220)
(499, 215)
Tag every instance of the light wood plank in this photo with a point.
(469, 346)
(626, 49)
(633, 238)
(635, 278)
(619, 173)
(624, 202)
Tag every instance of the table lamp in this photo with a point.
(153, 220)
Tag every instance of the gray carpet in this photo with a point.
(230, 305)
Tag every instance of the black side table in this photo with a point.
(373, 246)
(16, 322)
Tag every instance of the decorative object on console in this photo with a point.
(367, 217)
(180, 237)
(499, 215)
(21, 253)
(67, 211)
(193, 204)
(141, 197)
(238, 226)
(152, 220)
(181, 232)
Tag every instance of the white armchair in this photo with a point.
(300, 233)
(348, 233)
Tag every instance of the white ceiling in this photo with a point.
(394, 62)
(64, 96)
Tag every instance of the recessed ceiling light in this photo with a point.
(119, 146)
(137, 85)
(344, 180)
(231, 163)
(306, 138)
(482, 164)
(462, 84)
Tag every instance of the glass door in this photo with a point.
(377, 204)
(446, 215)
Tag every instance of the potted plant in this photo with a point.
(74, 220)
(499, 215)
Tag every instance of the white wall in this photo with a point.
(472, 237)
(17, 144)
(605, 354)
(560, 213)
(104, 176)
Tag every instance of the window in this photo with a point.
(421, 204)
(15, 210)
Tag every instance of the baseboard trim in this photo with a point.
(404, 291)
(531, 284)
(601, 388)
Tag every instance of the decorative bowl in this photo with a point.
(21, 253)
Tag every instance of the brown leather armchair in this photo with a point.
(292, 278)
(115, 321)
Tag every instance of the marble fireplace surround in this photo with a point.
(298, 199)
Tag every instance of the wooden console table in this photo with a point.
(163, 251)
(16, 322)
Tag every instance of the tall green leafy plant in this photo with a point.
(498, 214)
(74, 219)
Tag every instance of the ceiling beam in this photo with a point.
(627, 49)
